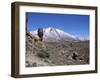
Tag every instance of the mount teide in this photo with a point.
(55, 35)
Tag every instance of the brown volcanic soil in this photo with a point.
(54, 54)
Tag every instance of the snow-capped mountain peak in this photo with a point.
(54, 35)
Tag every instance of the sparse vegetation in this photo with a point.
(43, 53)
(59, 54)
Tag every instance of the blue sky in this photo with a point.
(77, 25)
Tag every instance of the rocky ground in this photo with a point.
(54, 54)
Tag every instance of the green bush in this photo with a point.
(43, 53)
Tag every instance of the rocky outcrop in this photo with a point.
(33, 41)
(40, 33)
